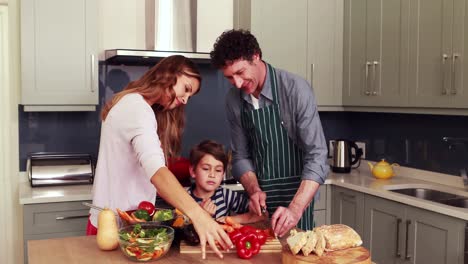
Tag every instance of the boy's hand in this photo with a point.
(209, 206)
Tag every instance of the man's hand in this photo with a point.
(257, 196)
(284, 219)
(209, 206)
(257, 202)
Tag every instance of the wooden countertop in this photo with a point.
(83, 249)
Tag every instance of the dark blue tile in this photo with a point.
(408, 139)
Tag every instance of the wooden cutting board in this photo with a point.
(271, 245)
(356, 255)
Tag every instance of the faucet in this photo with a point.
(453, 143)
(464, 177)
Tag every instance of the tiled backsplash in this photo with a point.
(408, 139)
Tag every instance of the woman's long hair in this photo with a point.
(156, 86)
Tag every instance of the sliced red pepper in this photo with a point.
(261, 236)
(247, 246)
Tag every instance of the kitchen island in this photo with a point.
(84, 249)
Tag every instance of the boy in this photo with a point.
(208, 162)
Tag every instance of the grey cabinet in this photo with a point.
(303, 37)
(59, 64)
(398, 233)
(53, 220)
(433, 238)
(375, 53)
(280, 28)
(348, 208)
(325, 50)
(320, 207)
(384, 232)
(438, 61)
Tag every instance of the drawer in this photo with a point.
(320, 202)
(55, 218)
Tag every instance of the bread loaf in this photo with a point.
(339, 237)
(323, 238)
(296, 241)
(310, 244)
(321, 243)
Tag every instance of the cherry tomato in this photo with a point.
(147, 206)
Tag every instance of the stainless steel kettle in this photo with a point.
(343, 157)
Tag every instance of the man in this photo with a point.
(279, 150)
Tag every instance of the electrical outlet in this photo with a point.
(362, 146)
(330, 148)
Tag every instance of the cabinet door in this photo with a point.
(325, 50)
(430, 52)
(58, 52)
(460, 59)
(355, 70)
(384, 228)
(433, 238)
(348, 208)
(375, 60)
(386, 44)
(281, 30)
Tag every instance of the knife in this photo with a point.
(94, 207)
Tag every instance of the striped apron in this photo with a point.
(278, 161)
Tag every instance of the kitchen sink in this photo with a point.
(426, 194)
(458, 202)
(435, 196)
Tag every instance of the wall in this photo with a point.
(79, 131)
(11, 219)
(408, 139)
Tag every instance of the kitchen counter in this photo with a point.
(54, 194)
(70, 193)
(81, 250)
(359, 179)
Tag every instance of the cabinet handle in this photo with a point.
(374, 65)
(71, 217)
(312, 70)
(454, 88)
(92, 73)
(397, 253)
(407, 256)
(368, 64)
(345, 195)
(445, 57)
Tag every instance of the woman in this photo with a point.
(141, 130)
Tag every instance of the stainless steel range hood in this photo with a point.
(177, 27)
(149, 57)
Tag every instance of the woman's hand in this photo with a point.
(209, 206)
(284, 219)
(212, 233)
(207, 229)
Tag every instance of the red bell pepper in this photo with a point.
(247, 246)
(261, 234)
(235, 235)
(247, 229)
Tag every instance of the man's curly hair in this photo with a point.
(233, 45)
